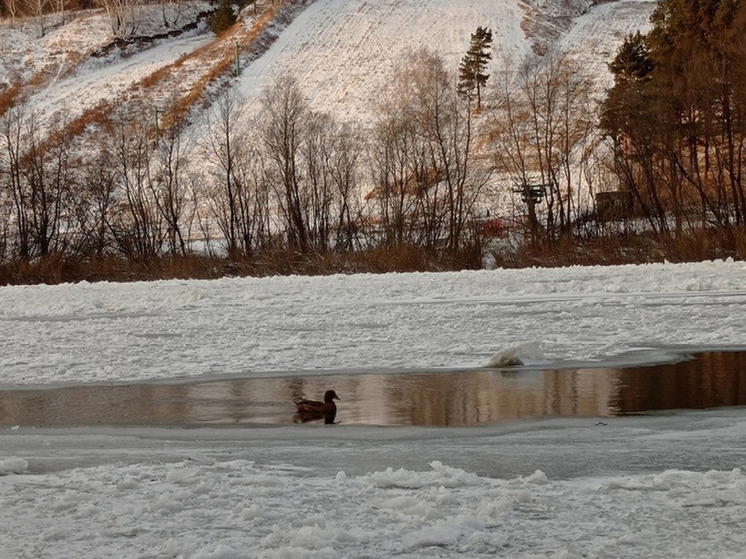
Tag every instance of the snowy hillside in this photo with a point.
(341, 52)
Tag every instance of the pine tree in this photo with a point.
(632, 63)
(472, 71)
(677, 110)
(223, 17)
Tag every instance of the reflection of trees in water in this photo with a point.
(474, 397)
(94, 405)
(710, 380)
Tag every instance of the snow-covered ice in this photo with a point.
(662, 485)
(91, 332)
(658, 487)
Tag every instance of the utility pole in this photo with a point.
(156, 110)
(238, 67)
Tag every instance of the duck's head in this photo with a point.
(331, 395)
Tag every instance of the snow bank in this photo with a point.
(229, 509)
(521, 354)
(441, 476)
(13, 465)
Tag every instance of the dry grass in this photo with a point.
(693, 246)
(98, 115)
(54, 269)
(706, 244)
(223, 51)
(219, 58)
(609, 250)
(9, 98)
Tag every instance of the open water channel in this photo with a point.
(444, 398)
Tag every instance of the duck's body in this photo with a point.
(313, 409)
(313, 406)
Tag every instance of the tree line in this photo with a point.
(425, 173)
(442, 151)
(292, 179)
(676, 118)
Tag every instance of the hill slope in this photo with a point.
(341, 52)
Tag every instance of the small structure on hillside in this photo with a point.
(531, 193)
(614, 205)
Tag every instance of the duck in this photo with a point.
(313, 409)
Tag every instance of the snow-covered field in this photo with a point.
(648, 486)
(367, 40)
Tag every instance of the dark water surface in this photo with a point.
(463, 398)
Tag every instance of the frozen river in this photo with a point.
(565, 467)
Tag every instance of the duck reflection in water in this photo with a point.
(310, 410)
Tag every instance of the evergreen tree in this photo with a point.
(223, 17)
(628, 100)
(677, 113)
(632, 63)
(472, 71)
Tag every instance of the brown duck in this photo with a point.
(313, 409)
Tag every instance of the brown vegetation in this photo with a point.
(53, 268)
(9, 98)
(637, 248)
(598, 251)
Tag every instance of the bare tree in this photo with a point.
(38, 182)
(392, 154)
(542, 131)
(447, 124)
(238, 195)
(98, 187)
(60, 9)
(14, 146)
(254, 202)
(226, 146)
(345, 169)
(425, 170)
(171, 11)
(12, 7)
(135, 221)
(282, 132)
(38, 10)
(47, 174)
(5, 217)
(123, 15)
(170, 194)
